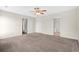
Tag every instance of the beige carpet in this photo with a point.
(37, 42)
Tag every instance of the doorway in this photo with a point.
(56, 27)
(24, 26)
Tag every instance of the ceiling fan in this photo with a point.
(39, 11)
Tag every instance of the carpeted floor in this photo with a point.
(38, 42)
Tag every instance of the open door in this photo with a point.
(24, 26)
(56, 27)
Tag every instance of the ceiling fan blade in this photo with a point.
(36, 8)
(44, 10)
(41, 13)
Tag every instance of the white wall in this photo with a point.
(44, 25)
(78, 22)
(68, 24)
(10, 25)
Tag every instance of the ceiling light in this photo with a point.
(39, 11)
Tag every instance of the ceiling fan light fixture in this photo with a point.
(39, 11)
